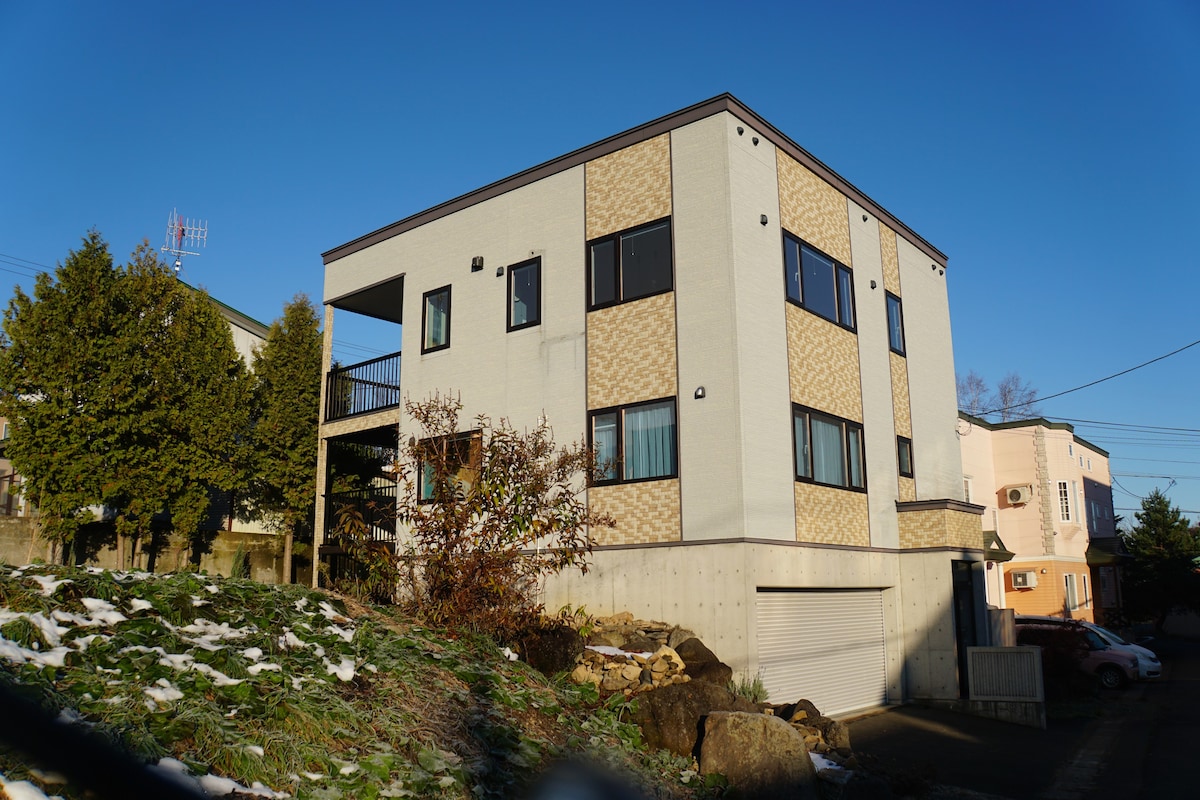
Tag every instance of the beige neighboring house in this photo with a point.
(761, 350)
(1049, 516)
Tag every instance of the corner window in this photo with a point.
(828, 449)
(817, 282)
(525, 294)
(448, 466)
(904, 457)
(435, 320)
(1064, 502)
(895, 320)
(629, 265)
(634, 443)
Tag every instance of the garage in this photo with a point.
(827, 646)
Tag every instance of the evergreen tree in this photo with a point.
(126, 392)
(1162, 576)
(287, 390)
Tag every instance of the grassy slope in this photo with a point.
(421, 714)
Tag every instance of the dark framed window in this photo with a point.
(435, 320)
(448, 466)
(817, 282)
(636, 442)
(828, 449)
(525, 294)
(630, 265)
(895, 320)
(904, 457)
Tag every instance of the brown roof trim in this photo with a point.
(940, 505)
(702, 110)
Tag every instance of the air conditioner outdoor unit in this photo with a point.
(1019, 495)
(1024, 580)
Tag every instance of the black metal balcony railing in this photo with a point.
(359, 388)
(375, 507)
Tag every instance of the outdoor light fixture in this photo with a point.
(741, 130)
(476, 263)
(754, 139)
(864, 217)
(872, 284)
(499, 271)
(763, 219)
(699, 395)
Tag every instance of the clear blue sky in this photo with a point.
(1048, 148)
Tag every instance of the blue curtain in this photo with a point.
(829, 454)
(650, 441)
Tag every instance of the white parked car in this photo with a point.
(1148, 665)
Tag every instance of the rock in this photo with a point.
(678, 635)
(636, 642)
(631, 672)
(581, 674)
(552, 650)
(835, 733)
(701, 664)
(670, 717)
(760, 755)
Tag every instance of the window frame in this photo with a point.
(530, 263)
(1064, 502)
(616, 239)
(847, 426)
(904, 443)
(425, 298)
(619, 462)
(470, 444)
(894, 301)
(840, 270)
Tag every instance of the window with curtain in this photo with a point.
(435, 320)
(525, 294)
(828, 449)
(635, 442)
(818, 283)
(895, 323)
(630, 265)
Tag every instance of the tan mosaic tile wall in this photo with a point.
(908, 489)
(812, 209)
(941, 528)
(891, 261)
(900, 401)
(631, 352)
(628, 187)
(831, 516)
(645, 512)
(823, 365)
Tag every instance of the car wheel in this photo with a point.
(1111, 677)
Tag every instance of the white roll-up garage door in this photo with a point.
(823, 646)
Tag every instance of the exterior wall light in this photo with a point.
(699, 395)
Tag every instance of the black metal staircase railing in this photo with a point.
(360, 388)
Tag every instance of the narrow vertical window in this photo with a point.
(904, 459)
(525, 294)
(1064, 501)
(1072, 597)
(604, 444)
(895, 321)
(435, 320)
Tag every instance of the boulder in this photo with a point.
(759, 754)
(671, 717)
(553, 649)
(702, 664)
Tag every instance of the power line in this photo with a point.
(1093, 383)
(26, 260)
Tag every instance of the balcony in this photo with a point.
(362, 388)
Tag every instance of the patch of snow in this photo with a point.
(349, 769)
(103, 611)
(253, 653)
(256, 750)
(218, 678)
(299, 606)
(212, 589)
(371, 668)
(198, 601)
(137, 604)
(343, 671)
(330, 613)
(313, 776)
(254, 669)
(608, 650)
(177, 661)
(48, 584)
(50, 632)
(220, 787)
(163, 692)
(22, 790)
(346, 635)
(509, 654)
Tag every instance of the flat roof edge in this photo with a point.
(657, 127)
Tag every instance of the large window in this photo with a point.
(895, 320)
(435, 320)
(631, 264)
(817, 282)
(635, 442)
(525, 294)
(449, 466)
(828, 449)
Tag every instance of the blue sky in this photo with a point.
(1048, 148)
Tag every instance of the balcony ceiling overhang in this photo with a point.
(383, 300)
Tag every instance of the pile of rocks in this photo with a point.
(613, 670)
(822, 735)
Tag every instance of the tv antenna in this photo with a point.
(182, 234)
